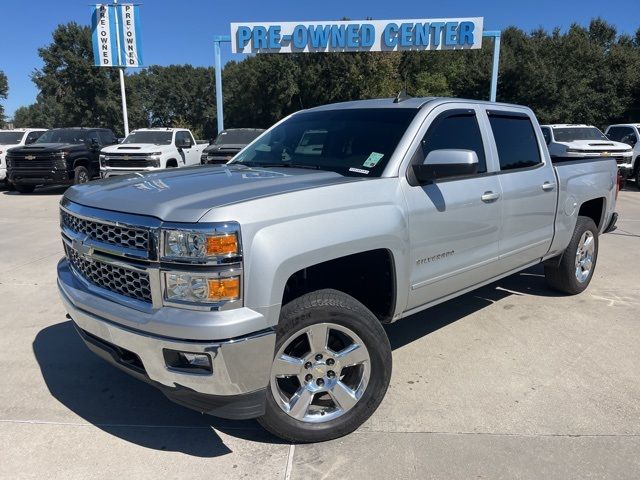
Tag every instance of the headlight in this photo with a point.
(573, 150)
(200, 288)
(60, 154)
(196, 245)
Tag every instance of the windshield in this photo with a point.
(238, 137)
(157, 138)
(581, 133)
(10, 138)
(63, 136)
(353, 142)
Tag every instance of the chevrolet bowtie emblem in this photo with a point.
(80, 247)
(126, 157)
(30, 157)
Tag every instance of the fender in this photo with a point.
(276, 254)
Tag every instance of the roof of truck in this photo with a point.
(407, 102)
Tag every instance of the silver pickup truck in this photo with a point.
(260, 288)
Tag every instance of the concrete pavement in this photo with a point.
(510, 381)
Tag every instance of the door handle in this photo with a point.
(489, 197)
(548, 186)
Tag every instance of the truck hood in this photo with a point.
(186, 194)
(136, 148)
(49, 148)
(603, 145)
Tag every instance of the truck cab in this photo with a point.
(629, 134)
(150, 149)
(15, 138)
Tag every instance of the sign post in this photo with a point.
(116, 42)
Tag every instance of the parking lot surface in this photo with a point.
(509, 381)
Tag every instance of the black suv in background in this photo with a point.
(62, 156)
(228, 143)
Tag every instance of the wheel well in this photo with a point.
(593, 209)
(369, 277)
(172, 163)
(81, 162)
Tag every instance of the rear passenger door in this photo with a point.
(453, 223)
(528, 184)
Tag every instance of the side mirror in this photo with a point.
(446, 163)
(630, 140)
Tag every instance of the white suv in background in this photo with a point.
(628, 133)
(15, 138)
(566, 142)
(150, 149)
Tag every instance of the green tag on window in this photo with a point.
(373, 160)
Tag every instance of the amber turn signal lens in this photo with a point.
(224, 288)
(222, 245)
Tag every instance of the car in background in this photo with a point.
(61, 156)
(628, 133)
(228, 143)
(576, 141)
(15, 138)
(150, 149)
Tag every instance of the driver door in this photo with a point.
(453, 222)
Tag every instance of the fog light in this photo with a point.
(188, 361)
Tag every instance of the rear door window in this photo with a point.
(516, 140)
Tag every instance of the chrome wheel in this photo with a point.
(584, 256)
(320, 373)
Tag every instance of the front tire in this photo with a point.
(575, 271)
(331, 369)
(81, 175)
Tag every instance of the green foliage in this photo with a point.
(4, 91)
(582, 75)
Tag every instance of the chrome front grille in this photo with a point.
(121, 280)
(107, 233)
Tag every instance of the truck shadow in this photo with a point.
(39, 192)
(125, 407)
(527, 282)
(136, 412)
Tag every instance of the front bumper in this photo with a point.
(241, 365)
(116, 172)
(40, 177)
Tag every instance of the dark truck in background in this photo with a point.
(228, 143)
(62, 156)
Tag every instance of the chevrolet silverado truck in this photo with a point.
(11, 139)
(260, 288)
(150, 149)
(629, 134)
(227, 144)
(571, 141)
(62, 156)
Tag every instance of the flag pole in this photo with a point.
(121, 71)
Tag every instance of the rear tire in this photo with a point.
(25, 188)
(575, 271)
(352, 342)
(81, 175)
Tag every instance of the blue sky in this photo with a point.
(181, 31)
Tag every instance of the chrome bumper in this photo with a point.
(240, 365)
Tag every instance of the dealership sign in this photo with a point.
(357, 36)
(116, 35)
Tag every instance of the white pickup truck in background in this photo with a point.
(629, 134)
(569, 142)
(150, 149)
(15, 138)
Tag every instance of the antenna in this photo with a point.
(402, 96)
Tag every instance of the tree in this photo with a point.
(4, 92)
(77, 92)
